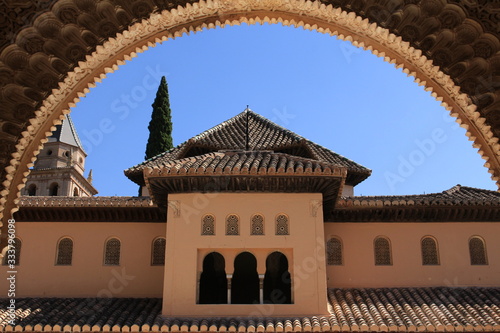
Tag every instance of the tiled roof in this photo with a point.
(262, 134)
(457, 195)
(246, 171)
(245, 162)
(437, 309)
(66, 133)
(458, 204)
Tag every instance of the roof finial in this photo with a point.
(89, 177)
(246, 141)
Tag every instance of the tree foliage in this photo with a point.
(160, 126)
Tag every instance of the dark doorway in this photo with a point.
(277, 280)
(54, 188)
(213, 280)
(245, 283)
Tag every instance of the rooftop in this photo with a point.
(458, 204)
(249, 131)
(66, 133)
(437, 309)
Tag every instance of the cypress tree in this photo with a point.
(160, 126)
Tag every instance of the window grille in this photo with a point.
(334, 252)
(232, 225)
(64, 252)
(477, 250)
(208, 225)
(158, 253)
(112, 253)
(282, 225)
(382, 251)
(13, 255)
(257, 227)
(429, 251)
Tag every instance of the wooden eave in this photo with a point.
(434, 213)
(330, 186)
(91, 214)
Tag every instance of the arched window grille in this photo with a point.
(429, 251)
(13, 254)
(64, 252)
(334, 252)
(282, 225)
(232, 225)
(112, 252)
(257, 225)
(158, 252)
(477, 250)
(382, 248)
(75, 192)
(208, 225)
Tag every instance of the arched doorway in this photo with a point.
(277, 280)
(213, 280)
(245, 282)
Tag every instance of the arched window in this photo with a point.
(232, 225)
(213, 280)
(158, 252)
(282, 225)
(245, 283)
(112, 252)
(75, 192)
(13, 253)
(208, 225)
(32, 190)
(334, 254)
(53, 189)
(429, 251)
(477, 250)
(257, 225)
(382, 248)
(277, 280)
(64, 252)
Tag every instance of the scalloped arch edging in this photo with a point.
(209, 14)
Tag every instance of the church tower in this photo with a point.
(58, 170)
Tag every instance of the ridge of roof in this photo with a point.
(66, 201)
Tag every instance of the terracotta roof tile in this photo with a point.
(263, 135)
(238, 162)
(457, 195)
(436, 309)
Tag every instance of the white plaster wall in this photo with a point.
(359, 269)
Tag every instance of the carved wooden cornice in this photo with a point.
(89, 209)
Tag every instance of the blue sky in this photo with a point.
(324, 89)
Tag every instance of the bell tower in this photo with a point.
(59, 168)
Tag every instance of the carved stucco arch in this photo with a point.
(69, 44)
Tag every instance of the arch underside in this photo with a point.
(52, 51)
